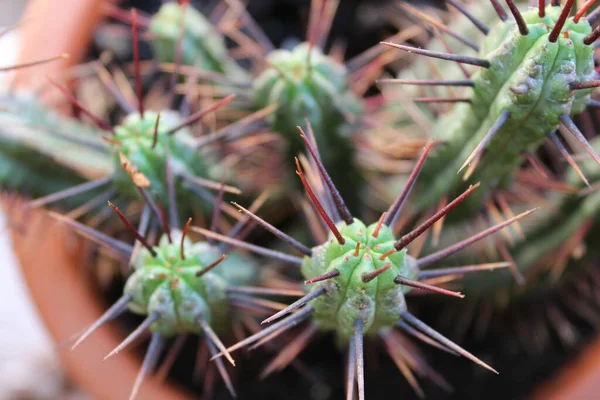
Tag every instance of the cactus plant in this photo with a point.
(179, 30)
(180, 287)
(360, 275)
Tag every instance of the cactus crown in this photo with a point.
(351, 295)
(201, 44)
(305, 82)
(360, 274)
(146, 143)
(167, 284)
(176, 286)
(307, 85)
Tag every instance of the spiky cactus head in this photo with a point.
(360, 273)
(353, 294)
(166, 284)
(181, 287)
(201, 43)
(145, 144)
(306, 84)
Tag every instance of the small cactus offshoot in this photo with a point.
(305, 83)
(155, 149)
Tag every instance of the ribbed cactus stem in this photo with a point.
(530, 86)
(179, 30)
(308, 85)
(147, 145)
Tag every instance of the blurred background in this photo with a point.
(29, 366)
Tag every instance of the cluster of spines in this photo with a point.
(543, 259)
(327, 203)
(541, 178)
(576, 86)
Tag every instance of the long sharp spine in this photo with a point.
(286, 238)
(502, 119)
(360, 360)
(418, 324)
(222, 371)
(335, 194)
(149, 363)
(443, 56)
(518, 17)
(396, 207)
(114, 311)
(560, 23)
(282, 325)
(351, 369)
(297, 304)
(135, 334)
(432, 258)
(574, 130)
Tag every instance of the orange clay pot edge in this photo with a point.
(579, 379)
(51, 258)
(49, 28)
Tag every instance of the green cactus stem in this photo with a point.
(180, 286)
(308, 85)
(201, 44)
(177, 289)
(534, 74)
(378, 302)
(571, 216)
(153, 154)
(147, 143)
(43, 152)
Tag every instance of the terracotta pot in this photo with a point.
(580, 379)
(51, 258)
(51, 28)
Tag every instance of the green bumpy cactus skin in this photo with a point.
(529, 76)
(201, 44)
(168, 285)
(318, 92)
(134, 137)
(377, 303)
